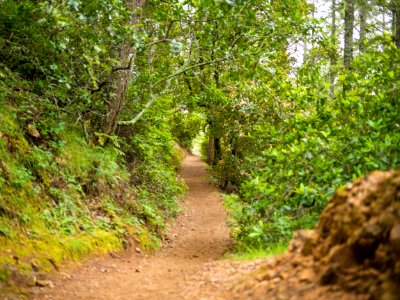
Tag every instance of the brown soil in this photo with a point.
(199, 236)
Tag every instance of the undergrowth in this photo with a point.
(285, 170)
(62, 198)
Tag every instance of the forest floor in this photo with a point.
(190, 265)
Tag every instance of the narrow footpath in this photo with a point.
(191, 266)
(197, 240)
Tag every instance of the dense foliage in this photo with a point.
(94, 96)
(318, 145)
(310, 142)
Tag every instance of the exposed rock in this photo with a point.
(307, 275)
(33, 131)
(35, 267)
(394, 237)
(45, 283)
(18, 278)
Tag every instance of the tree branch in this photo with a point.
(153, 97)
(116, 69)
(183, 70)
(158, 42)
(113, 70)
(139, 115)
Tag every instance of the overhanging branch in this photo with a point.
(185, 69)
(168, 78)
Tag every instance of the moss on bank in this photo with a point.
(63, 199)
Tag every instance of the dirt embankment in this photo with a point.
(353, 252)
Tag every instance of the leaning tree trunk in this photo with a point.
(121, 78)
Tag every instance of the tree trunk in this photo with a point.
(348, 39)
(210, 150)
(217, 153)
(348, 33)
(119, 87)
(217, 150)
(363, 24)
(333, 55)
(396, 23)
(214, 150)
(393, 25)
(121, 78)
(305, 51)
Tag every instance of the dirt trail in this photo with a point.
(198, 239)
(320, 263)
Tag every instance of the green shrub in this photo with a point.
(297, 162)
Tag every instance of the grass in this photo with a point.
(251, 253)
